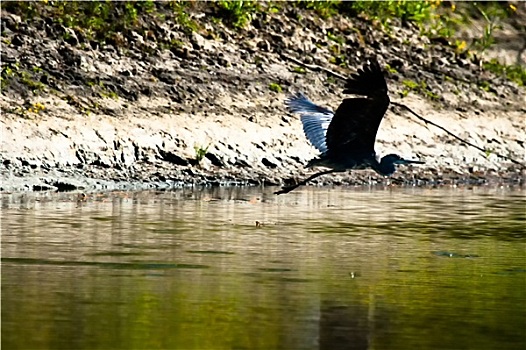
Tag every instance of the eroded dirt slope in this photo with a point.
(103, 116)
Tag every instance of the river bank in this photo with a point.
(208, 110)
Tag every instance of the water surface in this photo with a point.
(342, 268)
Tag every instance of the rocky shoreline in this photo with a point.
(85, 115)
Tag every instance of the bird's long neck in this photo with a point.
(384, 166)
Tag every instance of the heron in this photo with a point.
(346, 137)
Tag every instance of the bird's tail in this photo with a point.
(367, 81)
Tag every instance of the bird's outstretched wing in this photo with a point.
(315, 119)
(355, 124)
(368, 81)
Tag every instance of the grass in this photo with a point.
(484, 85)
(101, 20)
(384, 11)
(421, 88)
(336, 38)
(237, 13)
(299, 70)
(99, 88)
(180, 11)
(331, 80)
(28, 79)
(200, 152)
(275, 87)
(324, 9)
(378, 11)
(410, 84)
(492, 15)
(11, 72)
(338, 59)
(8, 73)
(515, 73)
(390, 69)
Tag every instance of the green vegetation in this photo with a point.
(275, 87)
(237, 13)
(28, 111)
(11, 71)
(331, 80)
(106, 93)
(102, 90)
(107, 21)
(180, 11)
(390, 69)
(324, 9)
(27, 79)
(492, 16)
(98, 18)
(339, 39)
(422, 88)
(338, 59)
(383, 11)
(435, 19)
(200, 152)
(484, 85)
(112, 22)
(102, 20)
(410, 84)
(299, 70)
(8, 72)
(515, 73)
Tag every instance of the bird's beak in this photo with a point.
(406, 161)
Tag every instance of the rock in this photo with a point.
(43, 187)
(67, 185)
(70, 57)
(18, 40)
(70, 36)
(182, 52)
(200, 43)
(11, 21)
(264, 45)
(172, 158)
(268, 163)
(214, 160)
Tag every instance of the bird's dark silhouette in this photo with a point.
(346, 138)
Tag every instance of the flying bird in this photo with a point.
(346, 137)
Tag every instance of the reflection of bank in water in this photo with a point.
(349, 326)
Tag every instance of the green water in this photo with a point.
(323, 269)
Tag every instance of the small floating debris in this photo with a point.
(454, 255)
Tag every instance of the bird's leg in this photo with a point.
(287, 189)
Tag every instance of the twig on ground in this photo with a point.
(455, 136)
(313, 67)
